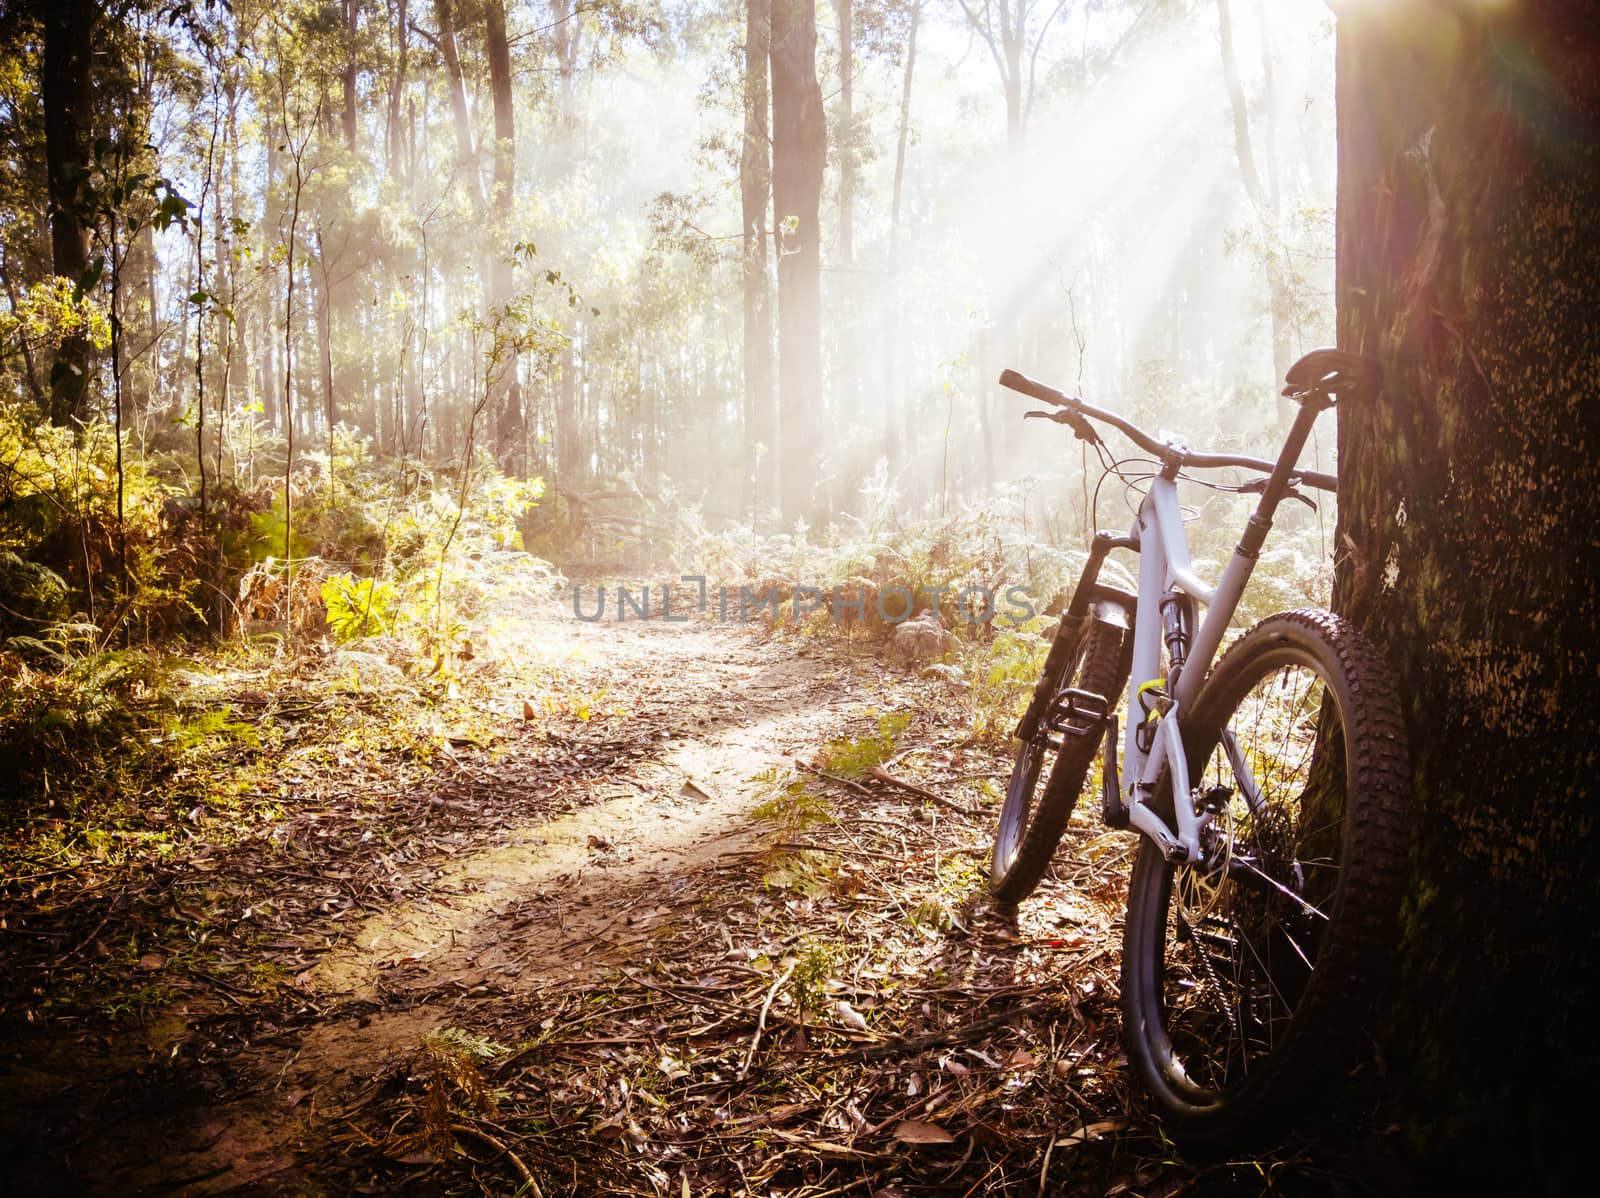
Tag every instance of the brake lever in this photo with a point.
(1080, 427)
(1256, 486)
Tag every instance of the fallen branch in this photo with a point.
(971, 1031)
(922, 792)
(499, 1146)
(796, 846)
(851, 783)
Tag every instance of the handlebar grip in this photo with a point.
(1017, 381)
(1319, 480)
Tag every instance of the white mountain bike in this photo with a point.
(1270, 790)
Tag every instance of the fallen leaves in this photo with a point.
(915, 1131)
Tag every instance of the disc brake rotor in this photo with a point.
(1197, 887)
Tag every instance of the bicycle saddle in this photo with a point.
(1332, 372)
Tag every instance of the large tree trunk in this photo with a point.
(1469, 265)
(799, 146)
(755, 187)
(64, 87)
(505, 134)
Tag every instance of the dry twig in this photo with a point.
(761, 1021)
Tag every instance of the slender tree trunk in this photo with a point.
(145, 399)
(1469, 266)
(66, 66)
(568, 421)
(506, 401)
(799, 147)
(1262, 196)
(896, 397)
(236, 322)
(297, 152)
(30, 368)
(466, 154)
(114, 237)
(394, 133)
(847, 117)
(324, 318)
(565, 34)
(755, 189)
(201, 289)
(352, 29)
(902, 136)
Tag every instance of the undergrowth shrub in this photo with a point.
(58, 521)
(996, 545)
(66, 701)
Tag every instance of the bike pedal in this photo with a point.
(1077, 712)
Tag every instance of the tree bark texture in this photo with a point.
(1469, 534)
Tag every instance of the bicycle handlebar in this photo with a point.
(1017, 381)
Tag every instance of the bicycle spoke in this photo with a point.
(1246, 964)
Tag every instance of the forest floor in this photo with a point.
(661, 917)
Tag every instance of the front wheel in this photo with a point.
(1039, 802)
(1246, 974)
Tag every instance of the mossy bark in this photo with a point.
(1469, 265)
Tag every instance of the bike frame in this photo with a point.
(1164, 612)
(1165, 570)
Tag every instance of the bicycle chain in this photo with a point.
(1216, 985)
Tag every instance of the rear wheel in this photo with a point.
(1246, 974)
(1051, 767)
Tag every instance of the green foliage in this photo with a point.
(64, 702)
(810, 874)
(31, 595)
(853, 758)
(357, 607)
(52, 311)
(206, 730)
(1004, 672)
(816, 963)
(58, 520)
(791, 804)
(268, 530)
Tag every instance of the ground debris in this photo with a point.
(646, 952)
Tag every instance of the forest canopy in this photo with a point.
(669, 257)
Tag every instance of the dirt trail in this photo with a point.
(539, 904)
(690, 803)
